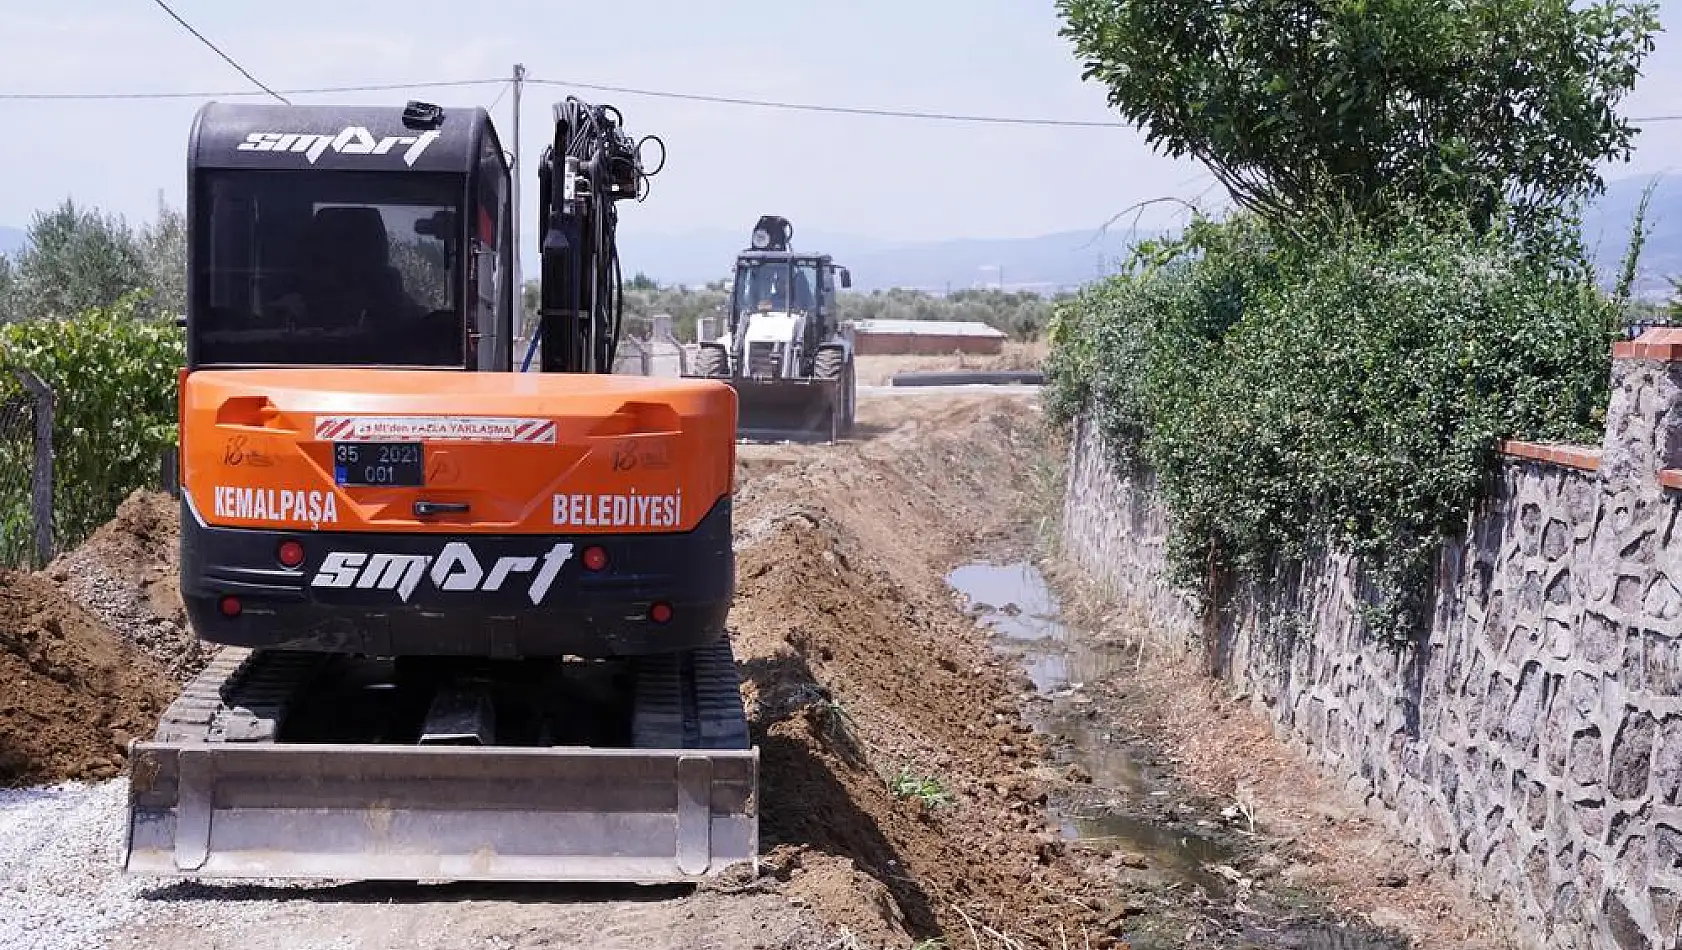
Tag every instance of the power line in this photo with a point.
(598, 87)
(886, 113)
(207, 94)
(225, 57)
(846, 110)
(602, 87)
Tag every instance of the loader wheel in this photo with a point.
(712, 363)
(830, 363)
(849, 388)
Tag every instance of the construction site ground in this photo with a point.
(913, 777)
(880, 370)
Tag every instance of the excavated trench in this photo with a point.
(1133, 813)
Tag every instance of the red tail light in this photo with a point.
(595, 558)
(290, 553)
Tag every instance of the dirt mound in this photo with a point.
(127, 574)
(71, 694)
(837, 890)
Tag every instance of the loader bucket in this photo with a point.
(439, 813)
(793, 410)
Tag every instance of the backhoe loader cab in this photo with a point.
(325, 235)
(785, 351)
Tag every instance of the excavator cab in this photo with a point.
(473, 619)
(329, 236)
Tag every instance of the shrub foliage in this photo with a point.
(113, 375)
(1350, 388)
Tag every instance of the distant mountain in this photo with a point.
(698, 257)
(1067, 259)
(1606, 232)
(1046, 263)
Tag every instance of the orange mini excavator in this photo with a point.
(474, 618)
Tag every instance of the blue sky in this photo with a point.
(885, 178)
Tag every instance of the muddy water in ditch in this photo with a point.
(1014, 601)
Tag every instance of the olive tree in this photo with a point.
(76, 260)
(163, 251)
(8, 279)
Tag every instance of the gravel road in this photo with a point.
(59, 847)
(61, 888)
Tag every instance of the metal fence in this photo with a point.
(1635, 328)
(649, 348)
(26, 470)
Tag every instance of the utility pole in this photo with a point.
(519, 243)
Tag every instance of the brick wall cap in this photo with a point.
(1581, 457)
(1657, 343)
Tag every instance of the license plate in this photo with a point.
(381, 464)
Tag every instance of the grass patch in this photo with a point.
(926, 790)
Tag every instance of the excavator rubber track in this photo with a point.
(218, 793)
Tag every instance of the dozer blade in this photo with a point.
(360, 812)
(793, 410)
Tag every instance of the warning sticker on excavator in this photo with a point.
(453, 428)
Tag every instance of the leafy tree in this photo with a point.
(531, 297)
(645, 297)
(8, 279)
(163, 252)
(425, 274)
(1021, 314)
(1360, 104)
(77, 260)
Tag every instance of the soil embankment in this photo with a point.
(127, 574)
(889, 731)
(73, 694)
(89, 647)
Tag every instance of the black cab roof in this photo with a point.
(350, 138)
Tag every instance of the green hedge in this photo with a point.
(113, 377)
(1351, 389)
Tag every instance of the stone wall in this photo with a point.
(1532, 738)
